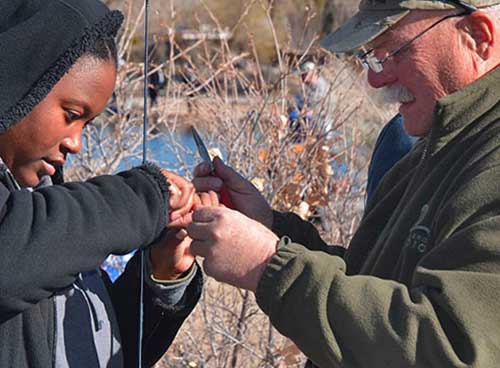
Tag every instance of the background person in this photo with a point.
(315, 104)
(316, 86)
(392, 144)
(157, 82)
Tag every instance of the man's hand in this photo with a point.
(171, 255)
(244, 196)
(236, 248)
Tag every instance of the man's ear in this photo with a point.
(482, 33)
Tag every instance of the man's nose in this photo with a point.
(379, 80)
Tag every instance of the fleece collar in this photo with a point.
(466, 111)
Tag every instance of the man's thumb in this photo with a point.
(226, 173)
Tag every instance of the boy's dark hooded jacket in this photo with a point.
(51, 236)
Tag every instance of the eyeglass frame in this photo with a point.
(377, 66)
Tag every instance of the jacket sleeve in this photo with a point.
(303, 232)
(447, 317)
(161, 321)
(48, 237)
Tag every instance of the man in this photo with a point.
(419, 285)
(316, 87)
(312, 105)
(316, 104)
(157, 82)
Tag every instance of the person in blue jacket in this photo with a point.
(392, 144)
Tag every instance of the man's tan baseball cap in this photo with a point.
(376, 16)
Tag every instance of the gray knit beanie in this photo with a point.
(39, 42)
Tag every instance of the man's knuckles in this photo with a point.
(218, 234)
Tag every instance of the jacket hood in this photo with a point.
(39, 41)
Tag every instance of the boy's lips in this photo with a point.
(48, 168)
(49, 165)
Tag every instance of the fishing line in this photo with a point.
(144, 159)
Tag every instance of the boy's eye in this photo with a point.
(72, 116)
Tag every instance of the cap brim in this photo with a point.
(362, 28)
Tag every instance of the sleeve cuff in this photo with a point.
(188, 275)
(154, 174)
(268, 288)
(170, 292)
(279, 223)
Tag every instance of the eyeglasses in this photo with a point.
(370, 61)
